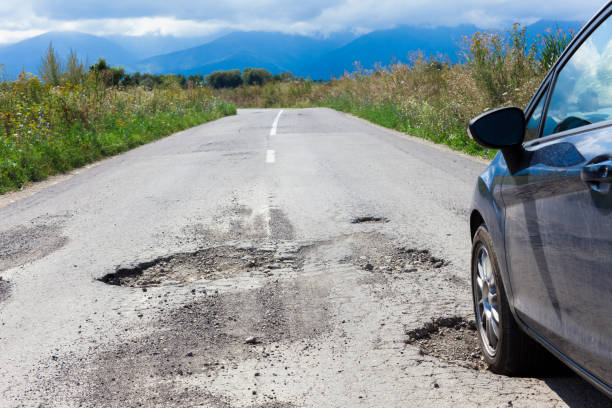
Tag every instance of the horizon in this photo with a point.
(316, 57)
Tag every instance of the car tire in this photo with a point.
(506, 348)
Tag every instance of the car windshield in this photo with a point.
(583, 92)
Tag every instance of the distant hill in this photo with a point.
(401, 43)
(386, 46)
(274, 51)
(542, 26)
(149, 45)
(28, 53)
(317, 58)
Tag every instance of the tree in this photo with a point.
(75, 70)
(256, 76)
(224, 79)
(50, 69)
(110, 76)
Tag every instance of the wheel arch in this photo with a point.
(476, 220)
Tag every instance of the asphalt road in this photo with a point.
(248, 228)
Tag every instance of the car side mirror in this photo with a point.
(503, 129)
(499, 128)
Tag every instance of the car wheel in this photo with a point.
(506, 348)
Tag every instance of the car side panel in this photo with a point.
(559, 250)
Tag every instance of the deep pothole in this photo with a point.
(210, 263)
(401, 260)
(452, 339)
(369, 220)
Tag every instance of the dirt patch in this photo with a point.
(210, 263)
(280, 226)
(26, 244)
(369, 220)
(187, 348)
(452, 339)
(5, 289)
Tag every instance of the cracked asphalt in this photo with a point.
(230, 265)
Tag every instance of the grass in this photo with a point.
(45, 130)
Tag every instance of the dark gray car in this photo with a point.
(541, 222)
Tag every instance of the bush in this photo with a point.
(256, 76)
(224, 79)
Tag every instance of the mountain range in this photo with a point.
(317, 58)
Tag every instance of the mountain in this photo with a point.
(317, 58)
(27, 54)
(386, 46)
(149, 45)
(274, 51)
(542, 26)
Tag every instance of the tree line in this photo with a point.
(53, 72)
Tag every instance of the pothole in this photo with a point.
(453, 339)
(210, 263)
(401, 260)
(369, 220)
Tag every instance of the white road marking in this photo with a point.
(270, 156)
(275, 123)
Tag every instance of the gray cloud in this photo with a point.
(192, 18)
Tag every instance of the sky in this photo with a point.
(21, 19)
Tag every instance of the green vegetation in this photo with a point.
(427, 98)
(250, 76)
(256, 76)
(224, 79)
(76, 117)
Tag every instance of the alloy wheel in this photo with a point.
(486, 299)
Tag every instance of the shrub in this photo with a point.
(224, 79)
(256, 76)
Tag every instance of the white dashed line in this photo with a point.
(275, 123)
(270, 156)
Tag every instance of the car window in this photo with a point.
(531, 130)
(583, 92)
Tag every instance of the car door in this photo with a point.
(558, 220)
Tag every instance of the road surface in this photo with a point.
(270, 259)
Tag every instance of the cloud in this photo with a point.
(22, 19)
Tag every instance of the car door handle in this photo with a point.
(601, 172)
(598, 175)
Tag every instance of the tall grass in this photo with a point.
(428, 98)
(46, 129)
